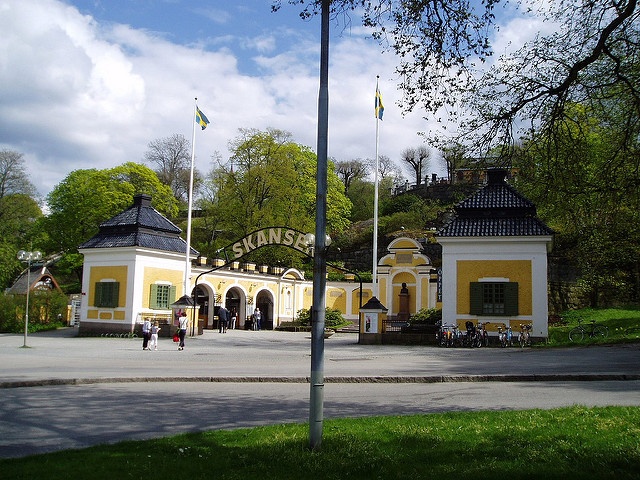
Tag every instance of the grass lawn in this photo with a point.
(574, 442)
(623, 324)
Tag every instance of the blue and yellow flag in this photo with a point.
(378, 103)
(201, 119)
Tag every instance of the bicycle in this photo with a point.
(505, 337)
(483, 335)
(471, 339)
(592, 330)
(445, 336)
(524, 337)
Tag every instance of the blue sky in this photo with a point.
(89, 83)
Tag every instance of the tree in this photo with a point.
(19, 212)
(13, 177)
(591, 54)
(389, 169)
(584, 177)
(350, 170)
(171, 157)
(437, 43)
(443, 46)
(18, 230)
(454, 157)
(417, 160)
(86, 198)
(272, 182)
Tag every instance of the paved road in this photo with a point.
(68, 392)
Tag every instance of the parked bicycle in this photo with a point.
(592, 330)
(470, 339)
(445, 336)
(482, 335)
(524, 337)
(505, 337)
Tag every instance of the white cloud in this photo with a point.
(79, 94)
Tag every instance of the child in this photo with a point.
(154, 336)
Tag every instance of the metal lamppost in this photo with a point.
(28, 257)
(316, 413)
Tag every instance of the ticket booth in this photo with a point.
(186, 304)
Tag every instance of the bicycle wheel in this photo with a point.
(600, 331)
(576, 334)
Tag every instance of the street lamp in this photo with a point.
(28, 257)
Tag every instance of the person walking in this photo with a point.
(257, 318)
(183, 324)
(223, 319)
(154, 336)
(234, 318)
(146, 333)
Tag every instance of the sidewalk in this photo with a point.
(60, 357)
(91, 391)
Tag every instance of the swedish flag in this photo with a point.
(201, 119)
(379, 105)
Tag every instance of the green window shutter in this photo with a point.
(115, 294)
(153, 297)
(172, 295)
(97, 301)
(475, 297)
(511, 299)
(107, 294)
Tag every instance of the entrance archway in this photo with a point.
(235, 300)
(264, 301)
(203, 296)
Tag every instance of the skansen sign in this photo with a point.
(271, 236)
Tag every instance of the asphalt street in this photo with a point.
(66, 392)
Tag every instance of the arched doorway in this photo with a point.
(204, 295)
(234, 300)
(264, 301)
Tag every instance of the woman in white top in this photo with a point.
(183, 324)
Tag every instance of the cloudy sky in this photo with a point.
(89, 83)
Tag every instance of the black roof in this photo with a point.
(496, 210)
(141, 225)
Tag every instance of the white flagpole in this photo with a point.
(187, 267)
(374, 270)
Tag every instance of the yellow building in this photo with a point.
(494, 261)
(494, 271)
(134, 269)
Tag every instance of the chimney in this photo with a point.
(496, 176)
(142, 200)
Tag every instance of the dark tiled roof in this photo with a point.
(496, 210)
(493, 197)
(139, 226)
(494, 227)
(142, 216)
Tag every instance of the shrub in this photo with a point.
(44, 309)
(428, 316)
(332, 319)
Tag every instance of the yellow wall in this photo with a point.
(336, 298)
(519, 271)
(153, 275)
(117, 273)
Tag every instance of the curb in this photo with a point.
(367, 379)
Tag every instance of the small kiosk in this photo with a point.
(371, 320)
(185, 304)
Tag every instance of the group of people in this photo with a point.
(226, 319)
(150, 332)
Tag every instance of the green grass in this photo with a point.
(576, 442)
(623, 324)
